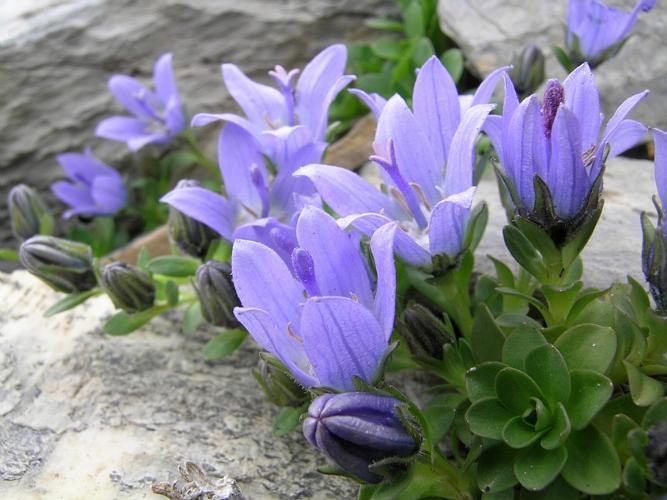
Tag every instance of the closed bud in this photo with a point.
(216, 293)
(656, 451)
(27, 213)
(279, 387)
(654, 260)
(528, 69)
(357, 429)
(67, 266)
(190, 236)
(129, 288)
(424, 333)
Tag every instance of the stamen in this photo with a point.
(589, 155)
(292, 333)
(262, 189)
(391, 167)
(420, 193)
(304, 269)
(282, 239)
(554, 96)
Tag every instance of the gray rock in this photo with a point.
(489, 31)
(57, 55)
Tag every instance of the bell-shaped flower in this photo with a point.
(427, 158)
(270, 113)
(157, 116)
(596, 32)
(559, 140)
(93, 189)
(322, 314)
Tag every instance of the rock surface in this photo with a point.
(56, 56)
(489, 31)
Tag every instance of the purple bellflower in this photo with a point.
(356, 429)
(559, 141)
(321, 313)
(158, 116)
(427, 157)
(94, 188)
(596, 32)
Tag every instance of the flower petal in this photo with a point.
(627, 134)
(136, 143)
(448, 223)
(583, 99)
(130, 92)
(342, 339)
(384, 306)
(660, 139)
(121, 128)
(83, 167)
(205, 206)
(486, 89)
(109, 193)
(76, 196)
(374, 101)
(163, 77)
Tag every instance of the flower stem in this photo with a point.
(202, 159)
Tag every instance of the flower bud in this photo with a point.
(424, 333)
(356, 429)
(129, 288)
(66, 266)
(279, 387)
(190, 236)
(28, 213)
(654, 260)
(656, 451)
(528, 69)
(216, 293)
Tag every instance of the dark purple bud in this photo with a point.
(424, 333)
(66, 266)
(190, 236)
(130, 288)
(356, 429)
(304, 268)
(656, 451)
(27, 213)
(554, 96)
(216, 293)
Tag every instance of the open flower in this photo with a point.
(322, 315)
(559, 140)
(596, 32)
(158, 116)
(427, 158)
(94, 188)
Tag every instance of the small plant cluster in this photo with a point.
(539, 386)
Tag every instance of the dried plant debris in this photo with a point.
(195, 483)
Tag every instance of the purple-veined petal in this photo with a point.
(384, 305)
(288, 193)
(83, 167)
(286, 146)
(340, 268)
(510, 100)
(583, 100)
(121, 128)
(461, 159)
(163, 76)
(264, 106)
(660, 139)
(567, 177)
(342, 339)
(109, 194)
(436, 106)
(130, 93)
(621, 112)
(626, 135)
(493, 127)
(525, 149)
(404, 246)
(374, 101)
(486, 89)
(280, 237)
(448, 223)
(414, 155)
(205, 206)
(346, 192)
(278, 341)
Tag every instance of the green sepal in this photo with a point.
(536, 468)
(590, 392)
(477, 221)
(288, 419)
(524, 252)
(588, 346)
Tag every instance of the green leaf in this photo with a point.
(9, 254)
(656, 413)
(171, 290)
(590, 392)
(172, 265)
(518, 434)
(387, 48)
(487, 417)
(224, 344)
(592, 464)
(481, 381)
(122, 323)
(192, 318)
(70, 301)
(421, 51)
(494, 469)
(536, 468)
(621, 426)
(643, 389)
(560, 429)
(515, 390)
(588, 346)
(563, 59)
(504, 273)
(520, 344)
(143, 258)
(548, 369)
(452, 59)
(384, 24)
(524, 252)
(557, 490)
(287, 420)
(633, 477)
(487, 339)
(637, 443)
(439, 415)
(413, 20)
(582, 302)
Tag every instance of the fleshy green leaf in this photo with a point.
(494, 469)
(487, 417)
(590, 392)
(537, 467)
(621, 426)
(643, 389)
(439, 415)
(122, 323)
(9, 254)
(519, 344)
(172, 293)
(588, 346)
(656, 413)
(557, 490)
(592, 464)
(387, 48)
(524, 252)
(560, 429)
(633, 477)
(224, 344)
(172, 265)
(637, 442)
(453, 60)
(421, 51)
(481, 380)
(518, 434)
(487, 339)
(515, 390)
(413, 20)
(70, 301)
(192, 318)
(548, 369)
